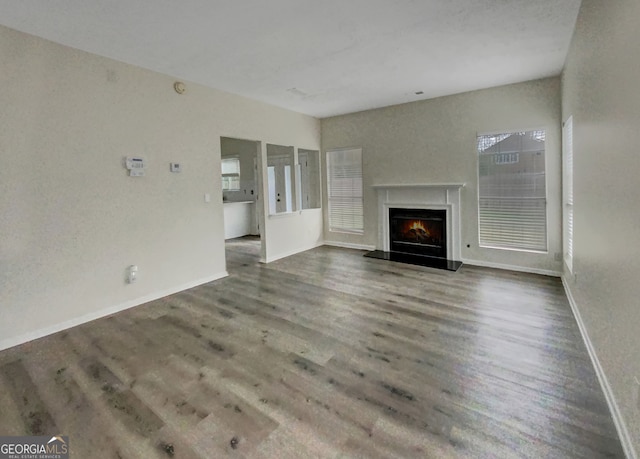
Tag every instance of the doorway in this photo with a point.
(241, 189)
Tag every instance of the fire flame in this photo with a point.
(417, 225)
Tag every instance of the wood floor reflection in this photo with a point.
(322, 354)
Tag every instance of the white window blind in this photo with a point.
(344, 177)
(567, 182)
(230, 174)
(512, 205)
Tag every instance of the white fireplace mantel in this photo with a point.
(420, 185)
(441, 196)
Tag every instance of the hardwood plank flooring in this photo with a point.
(323, 354)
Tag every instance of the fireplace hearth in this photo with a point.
(418, 237)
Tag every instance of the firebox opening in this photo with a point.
(418, 231)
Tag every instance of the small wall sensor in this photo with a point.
(136, 166)
(175, 167)
(132, 274)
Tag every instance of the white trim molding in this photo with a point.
(522, 269)
(349, 245)
(420, 185)
(55, 328)
(289, 253)
(618, 420)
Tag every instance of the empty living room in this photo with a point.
(295, 229)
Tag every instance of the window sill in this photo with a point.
(540, 252)
(344, 231)
(283, 215)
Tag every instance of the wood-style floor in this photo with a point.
(323, 354)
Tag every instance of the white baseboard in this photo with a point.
(288, 253)
(523, 269)
(618, 420)
(42, 332)
(349, 245)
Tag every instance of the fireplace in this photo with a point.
(419, 224)
(418, 231)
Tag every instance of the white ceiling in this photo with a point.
(319, 57)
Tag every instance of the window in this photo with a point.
(309, 176)
(512, 205)
(231, 174)
(280, 176)
(567, 192)
(344, 185)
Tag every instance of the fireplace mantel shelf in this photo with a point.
(419, 185)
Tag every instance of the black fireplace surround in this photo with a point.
(418, 231)
(418, 237)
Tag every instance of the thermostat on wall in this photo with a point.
(136, 166)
